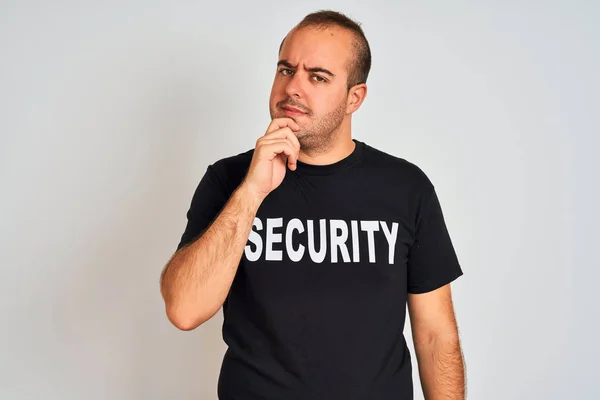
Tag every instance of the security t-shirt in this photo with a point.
(318, 304)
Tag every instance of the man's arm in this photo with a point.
(195, 282)
(437, 345)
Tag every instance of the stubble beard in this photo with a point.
(319, 135)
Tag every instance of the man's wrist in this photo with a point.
(249, 197)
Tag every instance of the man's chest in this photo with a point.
(303, 222)
(323, 239)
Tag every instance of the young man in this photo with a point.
(314, 243)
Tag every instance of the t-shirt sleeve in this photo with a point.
(207, 202)
(432, 259)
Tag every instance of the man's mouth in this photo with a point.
(288, 110)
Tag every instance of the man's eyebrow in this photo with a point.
(287, 64)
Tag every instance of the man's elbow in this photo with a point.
(432, 337)
(187, 321)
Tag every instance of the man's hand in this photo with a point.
(274, 150)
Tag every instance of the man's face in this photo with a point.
(310, 85)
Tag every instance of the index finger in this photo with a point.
(287, 134)
(279, 123)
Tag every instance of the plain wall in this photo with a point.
(110, 113)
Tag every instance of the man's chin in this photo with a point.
(301, 133)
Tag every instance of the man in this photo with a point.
(314, 243)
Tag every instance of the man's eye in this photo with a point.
(319, 78)
(286, 71)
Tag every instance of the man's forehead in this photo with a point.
(316, 47)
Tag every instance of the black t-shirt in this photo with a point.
(318, 305)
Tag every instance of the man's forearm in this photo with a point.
(441, 369)
(197, 279)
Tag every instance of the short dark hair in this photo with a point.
(358, 71)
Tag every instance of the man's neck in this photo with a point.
(340, 149)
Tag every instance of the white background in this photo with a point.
(111, 111)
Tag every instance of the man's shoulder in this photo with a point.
(231, 170)
(384, 162)
(234, 162)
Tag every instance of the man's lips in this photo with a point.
(292, 110)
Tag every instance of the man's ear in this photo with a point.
(356, 96)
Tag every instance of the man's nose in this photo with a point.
(294, 87)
